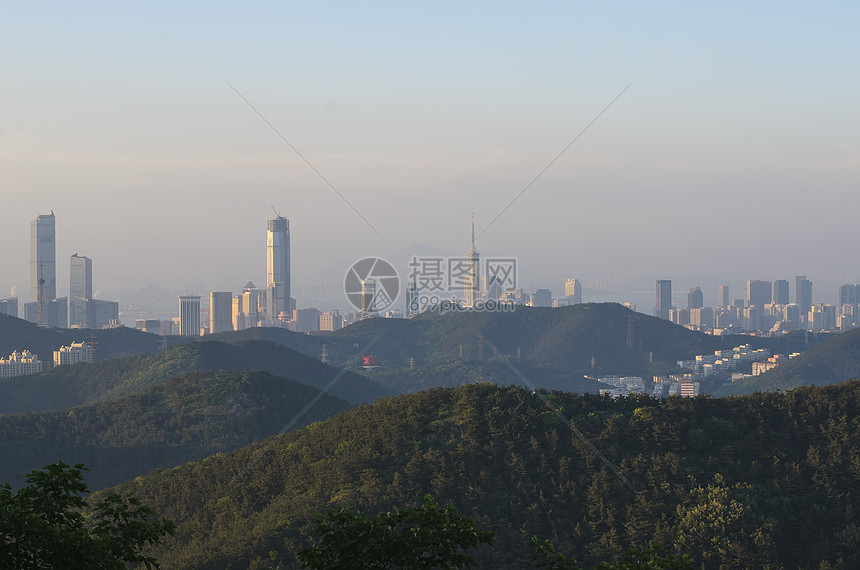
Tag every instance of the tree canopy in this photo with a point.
(425, 537)
(45, 524)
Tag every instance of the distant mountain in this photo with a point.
(460, 372)
(582, 339)
(832, 361)
(759, 481)
(560, 343)
(186, 418)
(18, 334)
(69, 386)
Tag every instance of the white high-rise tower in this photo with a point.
(278, 266)
(471, 291)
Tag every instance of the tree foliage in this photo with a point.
(46, 525)
(789, 467)
(425, 537)
(186, 418)
(650, 557)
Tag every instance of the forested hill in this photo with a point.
(186, 418)
(68, 386)
(831, 361)
(569, 339)
(589, 338)
(463, 371)
(766, 480)
(18, 334)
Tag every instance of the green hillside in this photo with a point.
(767, 480)
(18, 334)
(834, 360)
(69, 386)
(461, 371)
(565, 339)
(186, 418)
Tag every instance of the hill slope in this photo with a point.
(461, 371)
(571, 341)
(18, 334)
(767, 479)
(832, 361)
(69, 386)
(186, 418)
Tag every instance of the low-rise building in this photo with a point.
(73, 354)
(20, 364)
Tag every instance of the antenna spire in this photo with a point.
(473, 230)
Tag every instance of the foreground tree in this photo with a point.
(45, 524)
(421, 538)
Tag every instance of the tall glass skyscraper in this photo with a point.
(803, 295)
(278, 266)
(81, 310)
(573, 291)
(664, 299)
(189, 315)
(43, 258)
(81, 277)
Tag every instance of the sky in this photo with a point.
(734, 154)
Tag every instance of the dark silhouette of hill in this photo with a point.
(186, 418)
(766, 480)
(557, 345)
(461, 371)
(834, 360)
(69, 386)
(560, 345)
(18, 334)
(565, 339)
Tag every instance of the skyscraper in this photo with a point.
(189, 315)
(723, 297)
(573, 291)
(81, 311)
(780, 292)
(81, 277)
(220, 311)
(803, 295)
(664, 299)
(758, 293)
(43, 264)
(848, 294)
(695, 299)
(278, 266)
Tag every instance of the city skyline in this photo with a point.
(277, 246)
(130, 137)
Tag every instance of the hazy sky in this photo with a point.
(735, 152)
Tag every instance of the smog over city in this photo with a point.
(578, 278)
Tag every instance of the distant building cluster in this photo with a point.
(269, 306)
(765, 308)
(622, 385)
(724, 362)
(79, 309)
(769, 364)
(683, 385)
